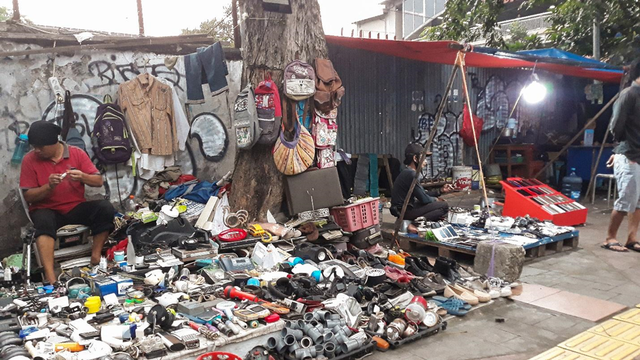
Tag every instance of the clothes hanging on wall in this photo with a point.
(206, 66)
(148, 107)
(182, 123)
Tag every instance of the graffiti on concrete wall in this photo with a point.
(211, 134)
(111, 73)
(493, 104)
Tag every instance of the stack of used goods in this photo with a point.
(313, 287)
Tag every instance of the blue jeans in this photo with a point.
(206, 66)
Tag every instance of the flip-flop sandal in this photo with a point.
(441, 300)
(632, 246)
(609, 246)
(453, 306)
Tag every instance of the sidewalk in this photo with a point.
(529, 330)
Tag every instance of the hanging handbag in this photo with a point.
(295, 156)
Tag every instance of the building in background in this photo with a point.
(407, 19)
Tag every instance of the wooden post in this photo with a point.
(423, 156)
(237, 40)
(140, 18)
(16, 11)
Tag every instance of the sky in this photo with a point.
(168, 17)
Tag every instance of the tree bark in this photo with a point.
(269, 42)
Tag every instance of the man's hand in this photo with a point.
(55, 180)
(76, 175)
(610, 161)
(447, 188)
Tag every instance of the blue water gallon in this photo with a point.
(572, 185)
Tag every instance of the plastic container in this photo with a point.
(359, 215)
(462, 177)
(130, 204)
(218, 355)
(588, 137)
(572, 185)
(22, 148)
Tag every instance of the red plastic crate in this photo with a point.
(359, 215)
(517, 204)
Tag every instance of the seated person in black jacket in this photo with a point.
(422, 204)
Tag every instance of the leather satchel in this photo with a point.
(329, 89)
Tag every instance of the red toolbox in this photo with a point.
(532, 197)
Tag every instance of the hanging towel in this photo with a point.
(361, 181)
(374, 189)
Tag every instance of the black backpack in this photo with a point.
(110, 137)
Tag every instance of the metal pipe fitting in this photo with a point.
(308, 316)
(340, 338)
(327, 337)
(291, 324)
(289, 340)
(306, 342)
(276, 344)
(330, 350)
(321, 315)
(312, 332)
(342, 329)
(333, 323)
(294, 347)
(298, 334)
(240, 323)
(305, 353)
(350, 346)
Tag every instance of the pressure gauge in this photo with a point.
(431, 319)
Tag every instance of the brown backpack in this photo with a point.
(329, 89)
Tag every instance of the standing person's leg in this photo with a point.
(626, 202)
(634, 218)
(98, 216)
(46, 222)
(434, 211)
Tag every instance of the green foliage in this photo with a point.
(5, 14)
(469, 21)
(572, 27)
(519, 39)
(220, 29)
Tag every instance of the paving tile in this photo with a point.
(533, 292)
(626, 299)
(557, 353)
(523, 344)
(579, 305)
(601, 347)
(558, 323)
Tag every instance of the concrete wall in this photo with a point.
(25, 97)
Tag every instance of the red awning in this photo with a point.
(444, 52)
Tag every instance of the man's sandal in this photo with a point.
(610, 246)
(635, 246)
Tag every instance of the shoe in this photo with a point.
(397, 275)
(477, 284)
(506, 291)
(412, 267)
(397, 260)
(447, 268)
(453, 306)
(424, 264)
(494, 293)
(437, 287)
(459, 293)
(482, 296)
(422, 287)
(516, 288)
(497, 285)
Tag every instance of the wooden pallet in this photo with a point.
(445, 250)
(559, 244)
(549, 246)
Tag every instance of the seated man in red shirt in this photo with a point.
(52, 178)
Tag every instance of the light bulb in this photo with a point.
(534, 93)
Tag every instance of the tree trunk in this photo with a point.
(269, 42)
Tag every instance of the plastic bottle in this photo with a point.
(572, 185)
(130, 204)
(131, 253)
(22, 148)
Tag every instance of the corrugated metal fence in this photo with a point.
(376, 114)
